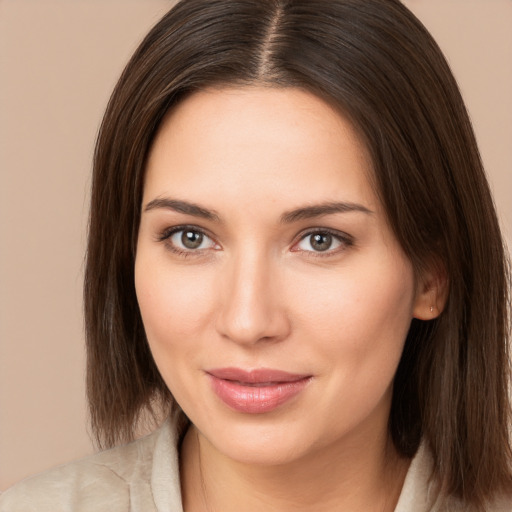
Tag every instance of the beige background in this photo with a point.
(59, 60)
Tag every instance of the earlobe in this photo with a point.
(431, 294)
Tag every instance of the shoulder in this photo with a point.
(421, 491)
(108, 481)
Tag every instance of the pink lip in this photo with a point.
(256, 391)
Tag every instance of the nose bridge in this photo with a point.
(251, 309)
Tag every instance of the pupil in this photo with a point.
(191, 239)
(321, 242)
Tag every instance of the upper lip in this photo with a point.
(258, 375)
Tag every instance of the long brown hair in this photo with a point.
(376, 62)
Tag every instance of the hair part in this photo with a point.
(375, 62)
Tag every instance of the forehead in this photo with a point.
(283, 142)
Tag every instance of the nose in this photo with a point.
(252, 308)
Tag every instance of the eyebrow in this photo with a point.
(182, 207)
(306, 212)
(318, 210)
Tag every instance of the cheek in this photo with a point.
(354, 326)
(358, 313)
(174, 303)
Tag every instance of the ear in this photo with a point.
(431, 292)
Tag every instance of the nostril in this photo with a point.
(247, 324)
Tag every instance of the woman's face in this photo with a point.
(275, 298)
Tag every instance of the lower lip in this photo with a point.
(256, 399)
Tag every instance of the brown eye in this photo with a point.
(191, 239)
(321, 241)
(187, 239)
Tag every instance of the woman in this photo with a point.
(294, 257)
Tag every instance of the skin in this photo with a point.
(257, 294)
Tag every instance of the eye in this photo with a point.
(323, 242)
(187, 239)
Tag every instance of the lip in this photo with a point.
(256, 391)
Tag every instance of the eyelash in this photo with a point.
(166, 235)
(344, 240)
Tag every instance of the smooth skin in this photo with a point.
(263, 245)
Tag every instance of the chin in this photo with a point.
(259, 441)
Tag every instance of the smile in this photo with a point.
(256, 391)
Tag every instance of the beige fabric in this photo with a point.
(143, 476)
(139, 477)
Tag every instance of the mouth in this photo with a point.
(256, 391)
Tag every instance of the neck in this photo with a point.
(351, 477)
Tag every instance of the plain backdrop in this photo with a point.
(59, 60)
